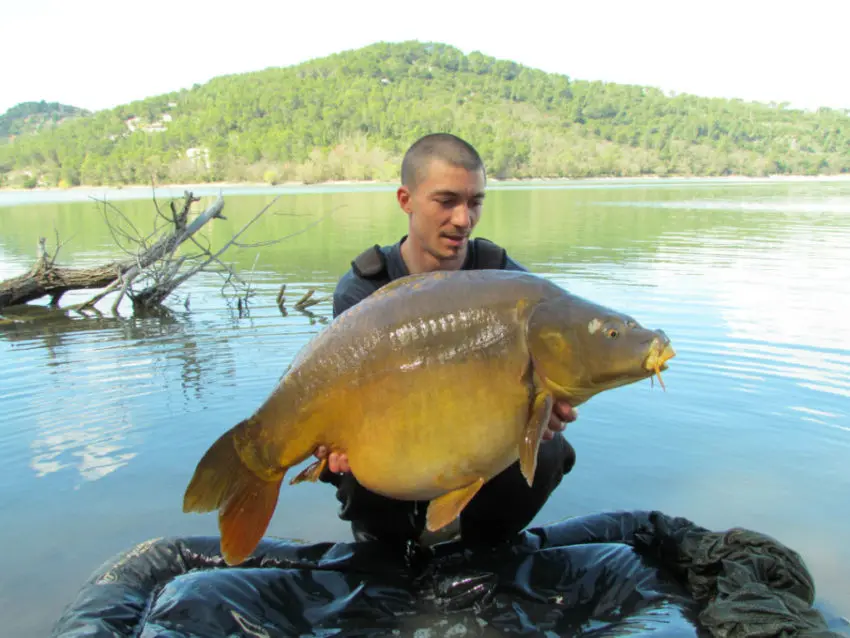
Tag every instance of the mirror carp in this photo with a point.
(432, 385)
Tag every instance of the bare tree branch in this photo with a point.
(156, 267)
(307, 300)
(46, 279)
(280, 239)
(158, 293)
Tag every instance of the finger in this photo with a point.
(555, 424)
(321, 452)
(548, 435)
(333, 462)
(565, 411)
(338, 463)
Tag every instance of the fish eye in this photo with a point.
(613, 333)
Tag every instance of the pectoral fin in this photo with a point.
(538, 421)
(446, 508)
(310, 473)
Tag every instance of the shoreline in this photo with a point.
(511, 180)
(131, 191)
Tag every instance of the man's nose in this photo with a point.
(461, 216)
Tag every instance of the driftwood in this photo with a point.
(45, 278)
(152, 271)
(302, 304)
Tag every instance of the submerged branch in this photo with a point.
(155, 269)
(46, 279)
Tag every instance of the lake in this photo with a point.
(104, 418)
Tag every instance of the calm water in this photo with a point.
(104, 419)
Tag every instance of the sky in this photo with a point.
(97, 54)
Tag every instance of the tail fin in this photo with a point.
(245, 501)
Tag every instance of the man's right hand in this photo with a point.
(337, 461)
(562, 413)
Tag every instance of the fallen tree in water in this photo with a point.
(153, 270)
(45, 278)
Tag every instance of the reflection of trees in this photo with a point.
(99, 370)
(100, 448)
(586, 222)
(202, 361)
(55, 331)
(555, 230)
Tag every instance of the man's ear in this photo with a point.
(403, 196)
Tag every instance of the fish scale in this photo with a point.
(431, 386)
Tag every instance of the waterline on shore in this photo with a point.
(19, 196)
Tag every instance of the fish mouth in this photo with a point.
(660, 352)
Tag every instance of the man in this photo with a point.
(442, 192)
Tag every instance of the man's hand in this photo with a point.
(562, 413)
(336, 462)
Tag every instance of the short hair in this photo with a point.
(443, 146)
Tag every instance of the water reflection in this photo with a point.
(816, 205)
(97, 450)
(754, 429)
(778, 302)
(84, 381)
(782, 283)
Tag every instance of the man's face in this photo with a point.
(444, 208)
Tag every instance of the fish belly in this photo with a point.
(423, 433)
(424, 387)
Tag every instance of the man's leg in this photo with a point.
(506, 504)
(376, 517)
(501, 509)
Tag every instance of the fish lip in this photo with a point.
(660, 352)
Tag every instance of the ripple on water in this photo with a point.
(753, 430)
(753, 315)
(87, 394)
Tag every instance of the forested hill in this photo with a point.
(32, 117)
(351, 116)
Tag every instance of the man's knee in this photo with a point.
(555, 458)
(557, 455)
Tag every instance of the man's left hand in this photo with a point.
(562, 413)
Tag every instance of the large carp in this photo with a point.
(432, 385)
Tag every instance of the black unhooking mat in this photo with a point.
(616, 574)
